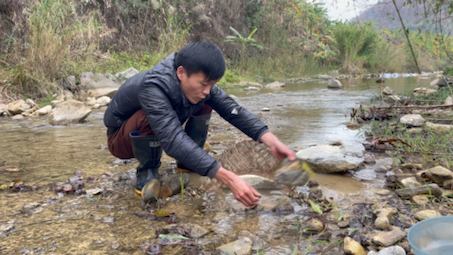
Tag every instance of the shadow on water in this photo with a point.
(300, 114)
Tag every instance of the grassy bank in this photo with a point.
(58, 38)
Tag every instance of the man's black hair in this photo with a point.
(201, 56)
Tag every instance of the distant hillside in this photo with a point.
(385, 15)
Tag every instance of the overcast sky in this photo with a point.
(345, 9)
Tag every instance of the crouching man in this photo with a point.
(147, 112)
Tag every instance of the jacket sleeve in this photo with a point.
(174, 141)
(235, 114)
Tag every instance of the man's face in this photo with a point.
(196, 87)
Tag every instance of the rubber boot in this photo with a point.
(148, 152)
(197, 129)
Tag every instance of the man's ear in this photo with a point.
(180, 72)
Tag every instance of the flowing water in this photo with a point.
(301, 115)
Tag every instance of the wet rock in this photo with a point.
(259, 182)
(331, 159)
(315, 224)
(275, 85)
(334, 84)
(388, 91)
(6, 229)
(294, 173)
(242, 246)
(383, 192)
(431, 189)
(426, 214)
(412, 120)
(69, 112)
(270, 204)
(392, 250)
(175, 183)
(343, 224)
(251, 89)
(351, 247)
(315, 195)
(121, 77)
(409, 183)
(103, 101)
(420, 200)
(369, 159)
(411, 166)
(438, 174)
(312, 184)
(258, 244)
(108, 220)
(388, 238)
(384, 218)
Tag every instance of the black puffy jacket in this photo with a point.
(158, 92)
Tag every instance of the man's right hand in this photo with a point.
(242, 190)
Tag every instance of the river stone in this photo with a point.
(438, 174)
(258, 244)
(420, 200)
(45, 110)
(384, 218)
(69, 112)
(352, 247)
(439, 128)
(324, 77)
(334, 84)
(412, 120)
(275, 85)
(270, 204)
(387, 238)
(448, 101)
(103, 100)
(16, 107)
(251, 89)
(409, 183)
(394, 98)
(85, 78)
(121, 77)
(423, 91)
(426, 214)
(242, 246)
(259, 182)
(388, 91)
(315, 224)
(18, 117)
(330, 159)
(410, 166)
(392, 250)
(250, 84)
(100, 85)
(54, 103)
(5, 229)
(439, 83)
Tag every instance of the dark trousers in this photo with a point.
(120, 142)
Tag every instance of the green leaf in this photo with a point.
(257, 45)
(251, 34)
(173, 236)
(237, 33)
(316, 208)
(295, 250)
(231, 37)
(352, 231)
(320, 241)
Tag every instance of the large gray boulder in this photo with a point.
(334, 84)
(102, 85)
(412, 120)
(121, 77)
(331, 159)
(68, 112)
(441, 82)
